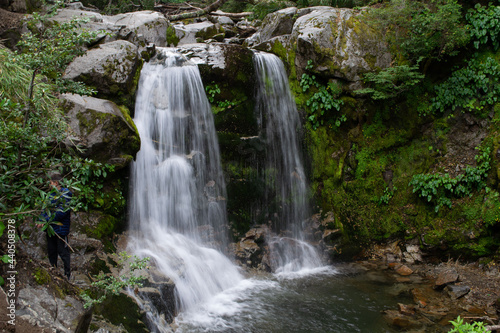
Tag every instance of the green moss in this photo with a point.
(122, 310)
(103, 228)
(42, 277)
(172, 39)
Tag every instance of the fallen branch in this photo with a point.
(233, 15)
(492, 327)
(197, 13)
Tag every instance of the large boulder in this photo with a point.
(110, 68)
(339, 44)
(338, 41)
(102, 129)
(275, 24)
(141, 28)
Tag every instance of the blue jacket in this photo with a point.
(60, 212)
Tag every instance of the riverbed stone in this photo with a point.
(404, 270)
(455, 291)
(445, 277)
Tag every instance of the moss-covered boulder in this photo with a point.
(337, 40)
(102, 129)
(339, 43)
(110, 68)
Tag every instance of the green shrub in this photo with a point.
(390, 82)
(441, 189)
(422, 29)
(460, 327)
(485, 25)
(324, 100)
(470, 88)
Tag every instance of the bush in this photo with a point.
(470, 88)
(421, 29)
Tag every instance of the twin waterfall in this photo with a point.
(178, 200)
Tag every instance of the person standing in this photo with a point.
(59, 218)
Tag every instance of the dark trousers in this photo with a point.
(56, 246)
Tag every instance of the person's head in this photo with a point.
(55, 178)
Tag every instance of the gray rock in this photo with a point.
(445, 277)
(191, 33)
(224, 20)
(101, 129)
(141, 28)
(111, 67)
(456, 292)
(412, 254)
(275, 24)
(339, 43)
(42, 309)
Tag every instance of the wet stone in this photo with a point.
(404, 270)
(445, 277)
(456, 292)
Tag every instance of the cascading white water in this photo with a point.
(177, 208)
(285, 177)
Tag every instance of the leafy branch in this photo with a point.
(106, 285)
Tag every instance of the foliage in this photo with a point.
(459, 326)
(261, 8)
(485, 25)
(392, 81)
(324, 100)
(421, 29)
(123, 6)
(440, 189)
(470, 88)
(49, 46)
(107, 284)
(32, 128)
(387, 196)
(213, 91)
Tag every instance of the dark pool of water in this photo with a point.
(349, 300)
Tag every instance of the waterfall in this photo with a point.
(177, 208)
(284, 174)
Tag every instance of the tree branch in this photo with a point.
(197, 13)
(232, 15)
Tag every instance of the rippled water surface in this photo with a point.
(327, 300)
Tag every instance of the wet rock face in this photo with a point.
(252, 252)
(102, 129)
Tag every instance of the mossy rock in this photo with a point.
(122, 310)
(106, 131)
